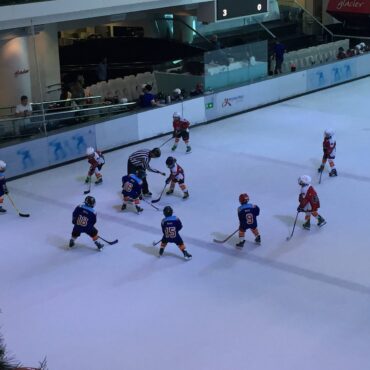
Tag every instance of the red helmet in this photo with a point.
(243, 198)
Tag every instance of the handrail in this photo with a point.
(265, 28)
(33, 116)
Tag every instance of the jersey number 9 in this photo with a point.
(250, 218)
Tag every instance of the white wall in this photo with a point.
(62, 10)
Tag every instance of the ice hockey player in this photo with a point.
(3, 187)
(309, 202)
(96, 161)
(247, 214)
(329, 147)
(180, 130)
(84, 219)
(131, 189)
(176, 176)
(139, 160)
(171, 225)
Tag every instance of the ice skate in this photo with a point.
(333, 173)
(99, 181)
(258, 239)
(71, 243)
(240, 244)
(174, 148)
(147, 195)
(187, 255)
(123, 207)
(139, 209)
(161, 250)
(99, 245)
(188, 149)
(307, 225)
(2, 210)
(169, 192)
(321, 222)
(186, 195)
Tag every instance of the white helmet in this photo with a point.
(177, 91)
(304, 180)
(176, 115)
(2, 165)
(329, 132)
(90, 151)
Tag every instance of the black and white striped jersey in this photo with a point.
(141, 158)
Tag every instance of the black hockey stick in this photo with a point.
(152, 205)
(108, 242)
(160, 196)
(155, 243)
(161, 173)
(89, 188)
(295, 221)
(166, 142)
(226, 239)
(320, 176)
(15, 207)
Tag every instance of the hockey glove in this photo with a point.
(300, 209)
(168, 180)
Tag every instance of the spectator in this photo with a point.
(102, 70)
(77, 90)
(199, 90)
(279, 50)
(341, 54)
(22, 110)
(177, 95)
(147, 99)
(217, 55)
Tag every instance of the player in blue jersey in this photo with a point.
(132, 185)
(171, 225)
(247, 214)
(3, 188)
(84, 219)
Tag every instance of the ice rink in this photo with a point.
(285, 305)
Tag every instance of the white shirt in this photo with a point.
(20, 108)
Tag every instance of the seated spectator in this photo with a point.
(341, 54)
(199, 90)
(350, 53)
(111, 98)
(147, 99)
(177, 95)
(24, 109)
(66, 97)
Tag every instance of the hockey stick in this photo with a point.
(89, 188)
(15, 207)
(110, 243)
(155, 243)
(152, 205)
(166, 142)
(226, 239)
(295, 221)
(160, 196)
(161, 173)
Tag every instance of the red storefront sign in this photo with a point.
(349, 6)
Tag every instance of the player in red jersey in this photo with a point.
(176, 176)
(309, 202)
(329, 147)
(96, 161)
(180, 130)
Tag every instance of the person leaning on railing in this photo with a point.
(24, 109)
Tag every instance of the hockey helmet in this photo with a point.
(243, 198)
(140, 174)
(304, 180)
(170, 162)
(156, 152)
(90, 151)
(329, 132)
(167, 211)
(2, 165)
(176, 115)
(90, 201)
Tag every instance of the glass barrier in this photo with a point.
(239, 65)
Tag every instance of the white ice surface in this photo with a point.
(302, 304)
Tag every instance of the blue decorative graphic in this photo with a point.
(27, 160)
(348, 71)
(336, 74)
(321, 78)
(80, 143)
(59, 152)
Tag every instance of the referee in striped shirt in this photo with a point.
(139, 160)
